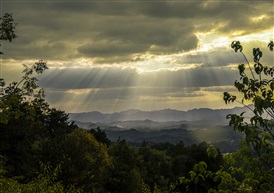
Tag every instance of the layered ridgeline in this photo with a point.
(201, 114)
(168, 125)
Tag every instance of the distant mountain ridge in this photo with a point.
(168, 125)
(217, 116)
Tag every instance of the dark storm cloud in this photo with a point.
(113, 31)
(233, 15)
(125, 37)
(111, 48)
(242, 20)
(72, 6)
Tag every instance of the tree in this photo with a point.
(19, 125)
(85, 162)
(125, 176)
(27, 122)
(251, 169)
(256, 158)
(100, 136)
(7, 27)
(205, 161)
(155, 168)
(44, 182)
(33, 134)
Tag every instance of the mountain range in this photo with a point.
(168, 125)
(166, 115)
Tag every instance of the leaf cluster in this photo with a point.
(258, 143)
(7, 27)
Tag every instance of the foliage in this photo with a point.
(251, 169)
(155, 167)
(257, 153)
(85, 161)
(100, 136)
(45, 182)
(200, 176)
(125, 175)
(27, 122)
(7, 27)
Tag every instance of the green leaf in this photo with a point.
(236, 45)
(270, 46)
(192, 175)
(241, 69)
(201, 176)
(257, 54)
(258, 68)
(245, 80)
(272, 85)
(211, 151)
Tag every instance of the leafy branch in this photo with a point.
(258, 133)
(28, 82)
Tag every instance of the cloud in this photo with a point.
(110, 48)
(197, 77)
(130, 53)
(212, 58)
(70, 78)
(113, 31)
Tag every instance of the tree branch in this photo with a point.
(248, 65)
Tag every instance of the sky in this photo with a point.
(111, 56)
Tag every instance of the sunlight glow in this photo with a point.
(210, 40)
(259, 18)
(263, 36)
(162, 63)
(207, 41)
(162, 91)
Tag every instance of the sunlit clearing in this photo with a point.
(149, 63)
(210, 40)
(76, 63)
(263, 36)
